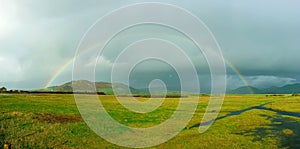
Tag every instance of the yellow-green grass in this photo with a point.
(245, 121)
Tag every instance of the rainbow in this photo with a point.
(64, 66)
(70, 61)
(58, 72)
(241, 76)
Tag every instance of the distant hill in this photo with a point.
(287, 89)
(106, 87)
(245, 90)
(84, 86)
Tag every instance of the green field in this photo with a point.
(245, 121)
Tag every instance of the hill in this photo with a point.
(287, 89)
(84, 86)
(245, 90)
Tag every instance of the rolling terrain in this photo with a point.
(107, 88)
(287, 89)
(84, 85)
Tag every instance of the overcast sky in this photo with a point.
(260, 38)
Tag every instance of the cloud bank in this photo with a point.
(261, 39)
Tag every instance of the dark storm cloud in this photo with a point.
(260, 38)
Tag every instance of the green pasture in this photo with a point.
(245, 121)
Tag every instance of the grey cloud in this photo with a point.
(261, 38)
(235, 81)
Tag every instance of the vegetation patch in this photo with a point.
(155, 96)
(274, 95)
(287, 131)
(56, 118)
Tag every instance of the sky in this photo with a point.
(258, 38)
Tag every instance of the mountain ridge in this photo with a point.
(106, 87)
(86, 86)
(286, 89)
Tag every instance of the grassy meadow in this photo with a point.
(245, 121)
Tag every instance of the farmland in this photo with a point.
(245, 121)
